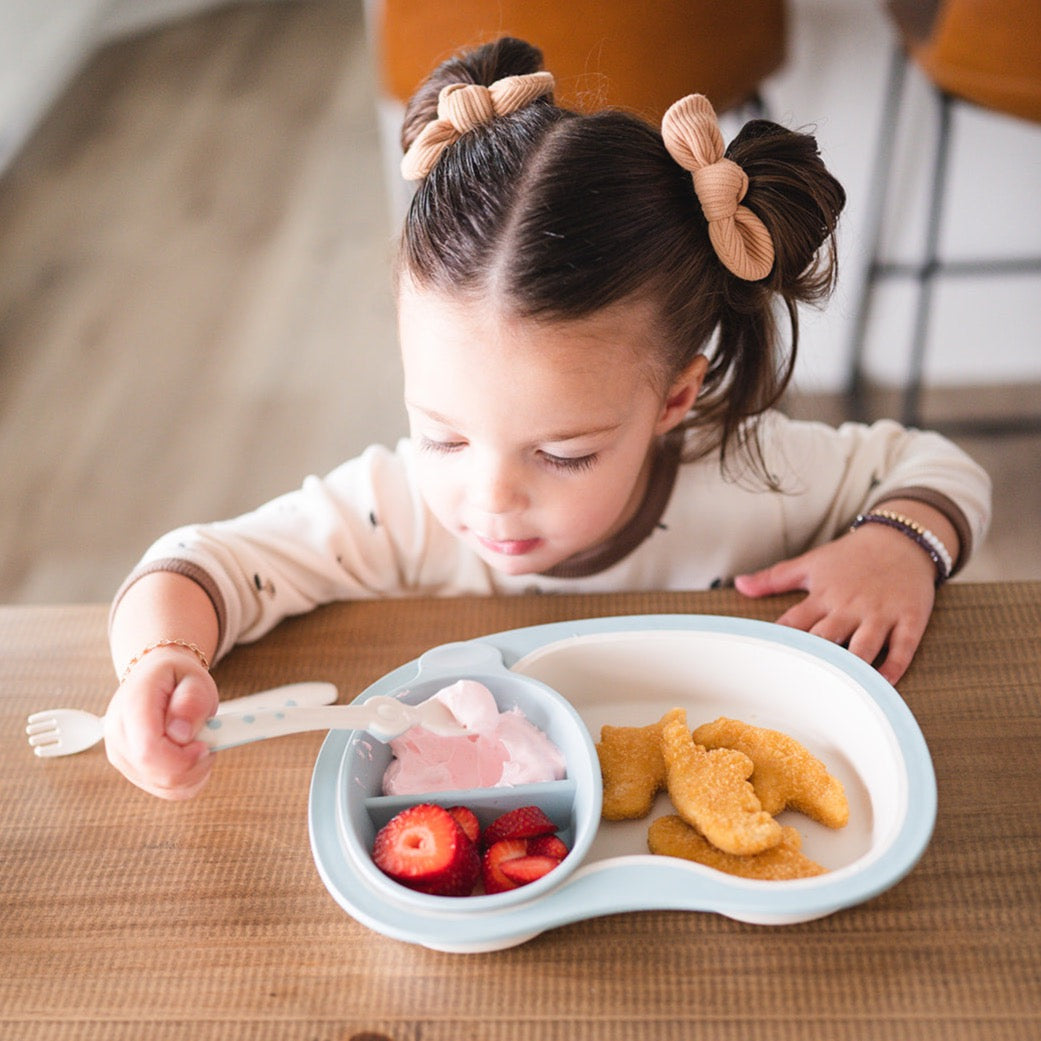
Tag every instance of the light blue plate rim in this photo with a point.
(637, 882)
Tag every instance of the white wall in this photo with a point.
(42, 44)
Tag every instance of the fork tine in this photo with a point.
(44, 725)
(62, 731)
(51, 751)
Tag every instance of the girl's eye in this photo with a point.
(439, 447)
(571, 464)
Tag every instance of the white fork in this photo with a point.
(66, 731)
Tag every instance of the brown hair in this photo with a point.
(559, 214)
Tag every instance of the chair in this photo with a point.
(602, 52)
(981, 52)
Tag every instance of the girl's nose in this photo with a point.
(496, 487)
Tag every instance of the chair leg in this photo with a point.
(878, 191)
(926, 274)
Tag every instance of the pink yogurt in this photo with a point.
(502, 749)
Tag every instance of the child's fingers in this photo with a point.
(784, 577)
(193, 701)
(903, 643)
(188, 775)
(835, 627)
(158, 766)
(804, 615)
(151, 725)
(168, 777)
(852, 601)
(869, 640)
(863, 636)
(140, 722)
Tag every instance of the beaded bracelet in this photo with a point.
(932, 545)
(164, 643)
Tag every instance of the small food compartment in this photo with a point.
(573, 803)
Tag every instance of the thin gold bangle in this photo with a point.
(165, 643)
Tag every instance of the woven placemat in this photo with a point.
(127, 917)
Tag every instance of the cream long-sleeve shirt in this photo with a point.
(363, 531)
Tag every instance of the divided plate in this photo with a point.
(629, 671)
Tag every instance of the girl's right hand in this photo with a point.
(152, 720)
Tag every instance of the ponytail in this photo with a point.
(799, 203)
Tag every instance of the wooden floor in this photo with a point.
(195, 305)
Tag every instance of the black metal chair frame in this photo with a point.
(924, 272)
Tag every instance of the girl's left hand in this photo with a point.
(871, 590)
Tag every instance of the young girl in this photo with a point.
(588, 318)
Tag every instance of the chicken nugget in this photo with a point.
(786, 774)
(633, 770)
(711, 792)
(673, 837)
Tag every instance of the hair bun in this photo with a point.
(798, 200)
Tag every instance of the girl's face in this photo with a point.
(534, 438)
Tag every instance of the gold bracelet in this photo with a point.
(164, 643)
(923, 533)
(936, 550)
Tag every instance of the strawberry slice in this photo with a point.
(467, 820)
(495, 879)
(548, 846)
(525, 822)
(424, 848)
(523, 870)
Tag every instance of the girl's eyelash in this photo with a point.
(440, 447)
(570, 464)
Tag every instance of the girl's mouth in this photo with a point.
(509, 547)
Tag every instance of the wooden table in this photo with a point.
(124, 917)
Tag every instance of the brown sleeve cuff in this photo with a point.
(189, 570)
(949, 509)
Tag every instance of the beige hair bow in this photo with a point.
(463, 106)
(692, 136)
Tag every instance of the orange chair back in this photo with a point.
(985, 51)
(637, 56)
